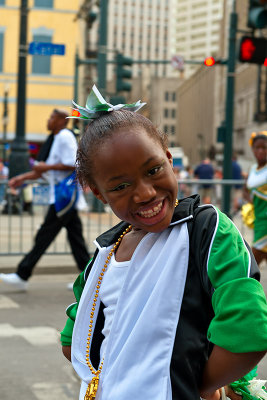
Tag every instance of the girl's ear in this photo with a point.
(169, 156)
(97, 194)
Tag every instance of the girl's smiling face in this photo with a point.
(134, 175)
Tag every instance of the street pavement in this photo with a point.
(32, 366)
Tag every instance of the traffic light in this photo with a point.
(123, 73)
(257, 14)
(209, 61)
(253, 50)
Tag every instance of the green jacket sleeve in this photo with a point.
(66, 333)
(239, 303)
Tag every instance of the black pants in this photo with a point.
(47, 233)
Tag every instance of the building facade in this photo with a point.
(197, 30)
(143, 30)
(49, 82)
(196, 114)
(140, 29)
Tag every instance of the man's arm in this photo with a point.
(42, 167)
(19, 179)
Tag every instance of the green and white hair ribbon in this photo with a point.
(96, 106)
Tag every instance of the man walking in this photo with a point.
(60, 162)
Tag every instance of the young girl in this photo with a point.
(256, 193)
(167, 309)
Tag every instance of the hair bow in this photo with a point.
(96, 105)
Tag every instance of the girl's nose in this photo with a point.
(144, 192)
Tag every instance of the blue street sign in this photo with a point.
(46, 49)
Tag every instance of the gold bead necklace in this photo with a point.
(93, 385)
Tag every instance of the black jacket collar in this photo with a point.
(183, 211)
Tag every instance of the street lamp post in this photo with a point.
(5, 122)
(19, 157)
(102, 47)
(97, 205)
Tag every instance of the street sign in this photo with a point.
(178, 62)
(46, 49)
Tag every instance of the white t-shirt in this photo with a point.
(63, 151)
(109, 293)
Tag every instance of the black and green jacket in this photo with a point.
(223, 302)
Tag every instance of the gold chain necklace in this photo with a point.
(93, 385)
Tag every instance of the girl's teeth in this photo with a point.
(152, 212)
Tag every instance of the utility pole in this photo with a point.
(5, 122)
(97, 205)
(229, 109)
(102, 48)
(19, 158)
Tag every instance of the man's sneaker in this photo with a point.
(14, 281)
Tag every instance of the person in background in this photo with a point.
(59, 153)
(185, 189)
(3, 176)
(168, 308)
(205, 171)
(256, 193)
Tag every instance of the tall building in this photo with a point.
(140, 29)
(197, 31)
(49, 82)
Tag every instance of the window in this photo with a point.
(44, 3)
(41, 64)
(166, 96)
(173, 113)
(174, 96)
(166, 112)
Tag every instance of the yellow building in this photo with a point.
(49, 78)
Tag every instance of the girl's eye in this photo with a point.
(120, 187)
(155, 170)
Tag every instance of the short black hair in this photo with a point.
(258, 136)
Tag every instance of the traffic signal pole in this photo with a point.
(97, 205)
(19, 157)
(229, 109)
(102, 48)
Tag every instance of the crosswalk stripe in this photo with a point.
(37, 335)
(6, 302)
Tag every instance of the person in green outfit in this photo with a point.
(256, 193)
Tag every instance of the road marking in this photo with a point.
(53, 391)
(37, 336)
(6, 302)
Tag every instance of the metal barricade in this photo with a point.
(19, 221)
(19, 224)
